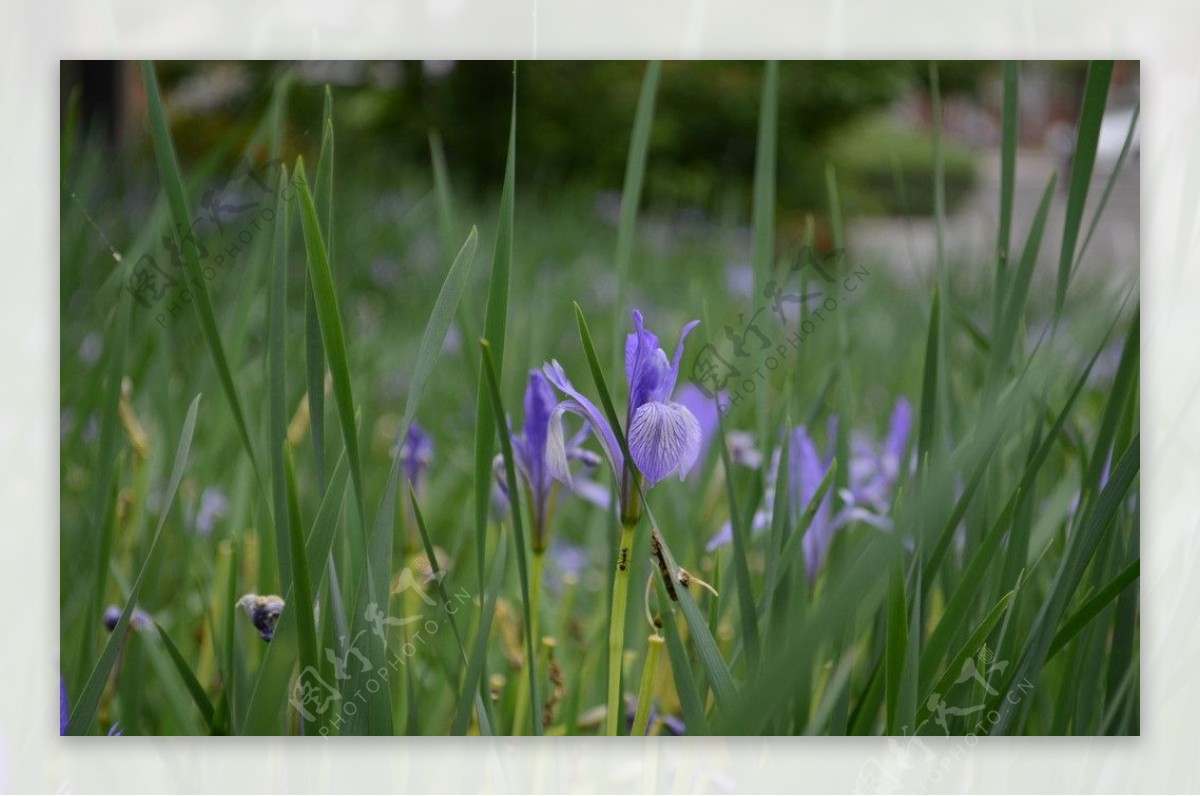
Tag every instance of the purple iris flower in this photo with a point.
(664, 436)
(529, 450)
(415, 453)
(874, 472)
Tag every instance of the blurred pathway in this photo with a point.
(909, 245)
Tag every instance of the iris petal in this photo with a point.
(556, 449)
(664, 438)
(581, 406)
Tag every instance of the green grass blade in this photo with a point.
(479, 654)
(374, 587)
(899, 707)
(267, 699)
(762, 252)
(314, 347)
(939, 173)
(968, 649)
(631, 193)
(739, 522)
(480, 710)
(1081, 547)
(610, 411)
(710, 656)
(188, 676)
(961, 601)
(84, 712)
(277, 410)
(1018, 290)
(302, 604)
(332, 334)
(495, 326)
(108, 466)
(444, 194)
(1108, 186)
(681, 671)
(1092, 607)
(1009, 138)
(1123, 390)
(168, 167)
(510, 473)
(926, 423)
(1083, 161)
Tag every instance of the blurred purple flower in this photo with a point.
(874, 472)
(214, 506)
(416, 452)
(664, 436)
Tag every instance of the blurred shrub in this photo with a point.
(577, 117)
(575, 121)
(886, 168)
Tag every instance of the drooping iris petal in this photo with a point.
(556, 448)
(664, 438)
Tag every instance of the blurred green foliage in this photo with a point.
(887, 169)
(576, 117)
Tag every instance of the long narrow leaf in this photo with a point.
(84, 712)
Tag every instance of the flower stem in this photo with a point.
(616, 630)
(521, 709)
(641, 719)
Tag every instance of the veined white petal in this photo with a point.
(664, 438)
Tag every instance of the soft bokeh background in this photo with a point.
(1158, 31)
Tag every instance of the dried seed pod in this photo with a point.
(264, 611)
